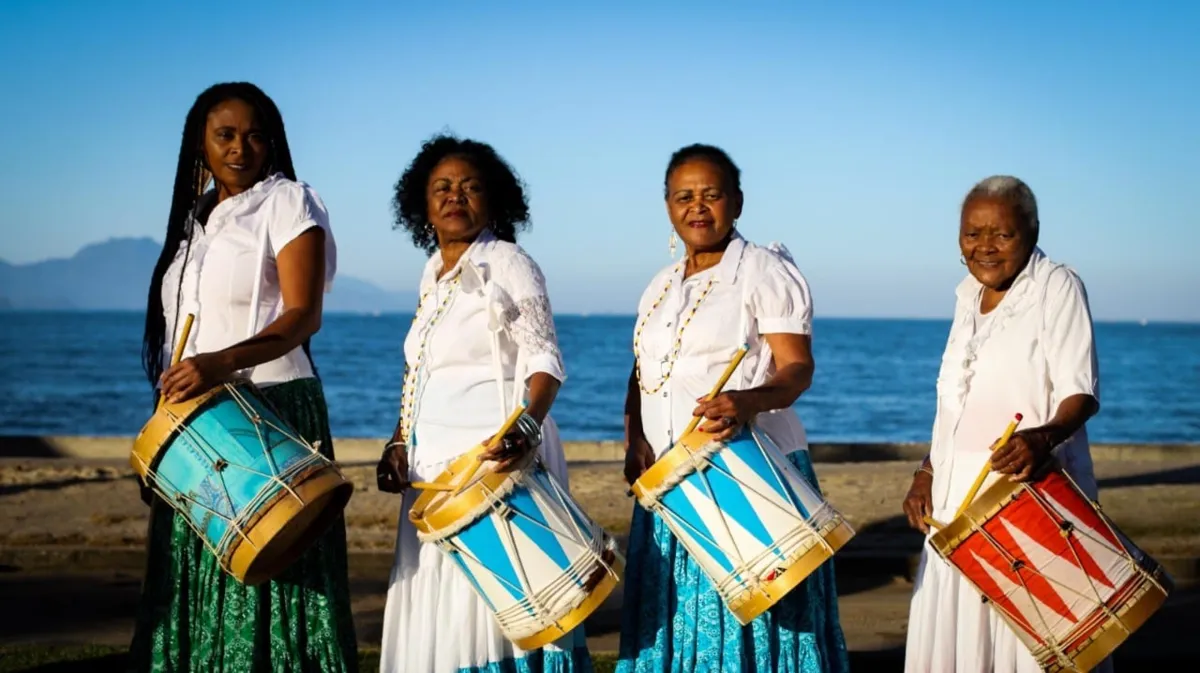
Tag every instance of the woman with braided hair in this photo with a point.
(193, 615)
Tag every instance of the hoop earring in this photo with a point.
(672, 241)
(962, 260)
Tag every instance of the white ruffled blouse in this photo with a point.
(220, 265)
(488, 319)
(1031, 352)
(683, 343)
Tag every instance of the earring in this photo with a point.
(672, 244)
(962, 260)
(735, 223)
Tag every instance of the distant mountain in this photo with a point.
(112, 275)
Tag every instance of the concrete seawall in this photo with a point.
(357, 450)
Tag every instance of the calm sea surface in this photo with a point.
(80, 373)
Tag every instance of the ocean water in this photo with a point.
(80, 373)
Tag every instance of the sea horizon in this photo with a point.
(72, 372)
(604, 314)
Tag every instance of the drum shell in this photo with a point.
(745, 514)
(256, 508)
(1055, 568)
(525, 546)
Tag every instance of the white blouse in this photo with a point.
(219, 272)
(751, 292)
(1031, 352)
(479, 329)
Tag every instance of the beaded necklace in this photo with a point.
(412, 372)
(668, 363)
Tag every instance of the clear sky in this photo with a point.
(858, 130)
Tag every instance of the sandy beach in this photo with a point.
(72, 529)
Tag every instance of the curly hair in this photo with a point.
(507, 207)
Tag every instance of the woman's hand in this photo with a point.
(1025, 452)
(193, 376)
(523, 439)
(147, 494)
(727, 413)
(918, 504)
(639, 456)
(391, 474)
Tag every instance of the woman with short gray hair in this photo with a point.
(1021, 342)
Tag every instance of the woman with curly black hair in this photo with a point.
(482, 342)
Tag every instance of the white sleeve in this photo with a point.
(780, 299)
(529, 318)
(297, 209)
(1068, 338)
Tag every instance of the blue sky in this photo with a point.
(858, 130)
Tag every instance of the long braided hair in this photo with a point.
(191, 177)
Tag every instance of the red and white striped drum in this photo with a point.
(1070, 585)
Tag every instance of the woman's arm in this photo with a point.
(633, 408)
(1027, 449)
(794, 367)
(543, 388)
(301, 265)
(529, 321)
(1069, 341)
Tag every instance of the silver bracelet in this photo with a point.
(530, 428)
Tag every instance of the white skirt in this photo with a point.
(951, 630)
(433, 621)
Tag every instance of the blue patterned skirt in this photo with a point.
(673, 620)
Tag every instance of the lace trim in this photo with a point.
(531, 324)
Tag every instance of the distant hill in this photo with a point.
(112, 275)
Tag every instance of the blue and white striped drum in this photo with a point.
(531, 553)
(747, 516)
(256, 493)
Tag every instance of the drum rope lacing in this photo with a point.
(412, 372)
(678, 345)
(235, 523)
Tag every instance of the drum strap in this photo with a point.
(495, 327)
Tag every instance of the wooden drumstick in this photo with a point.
(498, 437)
(987, 467)
(178, 354)
(737, 360)
(430, 486)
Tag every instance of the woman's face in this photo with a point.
(701, 206)
(235, 146)
(993, 242)
(456, 201)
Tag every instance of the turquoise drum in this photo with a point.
(254, 491)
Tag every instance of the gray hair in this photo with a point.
(1010, 190)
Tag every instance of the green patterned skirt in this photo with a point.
(195, 617)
